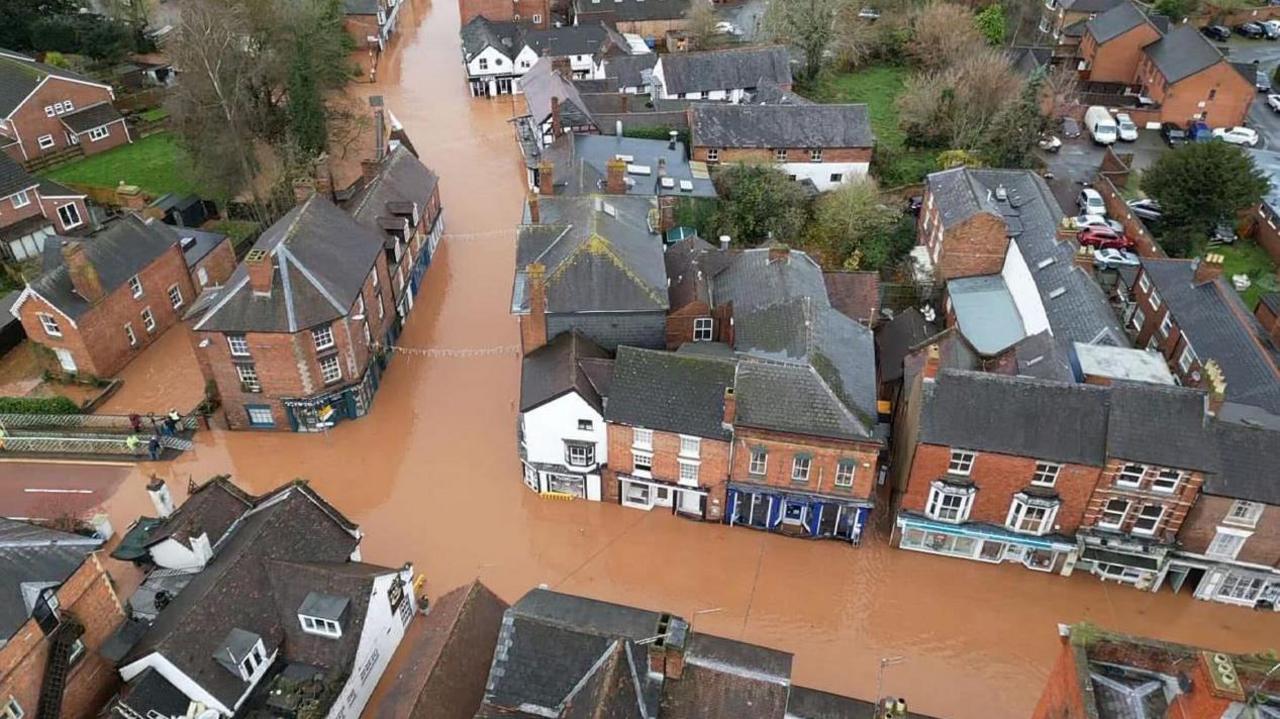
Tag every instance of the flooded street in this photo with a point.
(432, 477)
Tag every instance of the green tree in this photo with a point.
(757, 202)
(854, 228)
(1011, 139)
(805, 24)
(1175, 10)
(19, 15)
(992, 24)
(1198, 185)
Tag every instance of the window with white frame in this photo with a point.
(1046, 474)
(45, 141)
(135, 286)
(373, 277)
(69, 215)
(20, 199)
(1241, 587)
(239, 345)
(844, 473)
(248, 377)
(689, 446)
(148, 319)
(815, 155)
(949, 504)
(780, 154)
(800, 468)
(1130, 475)
(579, 454)
(260, 416)
(253, 660)
(585, 425)
(961, 462)
(483, 63)
(50, 324)
(1144, 282)
(128, 332)
(1227, 544)
(1148, 519)
(1029, 516)
(175, 296)
(1153, 299)
(323, 337)
(1139, 318)
(702, 329)
(382, 310)
(330, 369)
(641, 462)
(1166, 325)
(1167, 480)
(12, 710)
(1244, 513)
(713, 154)
(688, 472)
(1186, 359)
(99, 133)
(759, 461)
(1113, 513)
(321, 626)
(641, 438)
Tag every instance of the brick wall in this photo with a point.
(1117, 59)
(361, 28)
(998, 477)
(507, 10)
(1202, 522)
(88, 596)
(680, 324)
(1172, 345)
(1062, 697)
(10, 216)
(1133, 226)
(31, 121)
(713, 467)
(974, 247)
(825, 454)
(99, 342)
(218, 266)
(1232, 94)
(1176, 505)
(1266, 231)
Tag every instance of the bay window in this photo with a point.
(1031, 515)
(948, 503)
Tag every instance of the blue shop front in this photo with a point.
(983, 542)
(313, 414)
(797, 514)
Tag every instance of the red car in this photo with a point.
(1104, 239)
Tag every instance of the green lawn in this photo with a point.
(879, 87)
(157, 164)
(1246, 257)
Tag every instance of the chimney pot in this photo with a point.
(1216, 382)
(724, 242)
(617, 128)
(730, 407)
(932, 362)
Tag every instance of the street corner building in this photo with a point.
(103, 298)
(46, 110)
(58, 607)
(254, 605)
(299, 336)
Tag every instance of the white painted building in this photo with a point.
(497, 54)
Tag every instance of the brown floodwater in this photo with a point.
(432, 477)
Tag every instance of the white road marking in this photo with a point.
(58, 491)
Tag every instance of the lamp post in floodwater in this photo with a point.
(884, 662)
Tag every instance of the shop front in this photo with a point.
(647, 493)
(799, 515)
(1136, 564)
(558, 481)
(1241, 586)
(314, 414)
(983, 543)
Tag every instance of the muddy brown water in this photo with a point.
(432, 477)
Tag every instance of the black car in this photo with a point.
(914, 203)
(1174, 134)
(1224, 233)
(1262, 81)
(1251, 30)
(1070, 128)
(1220, 33)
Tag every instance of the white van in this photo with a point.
(1101, 126)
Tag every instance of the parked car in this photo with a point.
(1091, 203)
(1223, 232)
(1273, 102)
(1104, 239)
(1050, 143)
(1272, 28)
(1262, 81)
(1174, 134)
(1101, 126)
(1070, 128)
(1146, 208)
(914, 203)
(1250, 30)
(1220, 33)
(1083, 221)
(1237, 135)
(725, 27)
(1112, 257)
(868, 13)
(1128, 130)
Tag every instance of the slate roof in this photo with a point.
(775, 126)
(1272, 302)
(598, 253)
(586, 39)
(19, 75)
(322, 257)
(958, 196)
(752, 280)
(670, 392)
(14, 178)
(481, 32)
(1090, 6)
(631, 10)
(91, 116)
(1160, 424)
(728, 679)
(581, 165)
(690, 264)
(557, 368)
(895, 338)
(291, 544)
(151, 691)
(196, 244)
(631, 70)
(739, 68)
(769, 92)
(1043, 356)
(1115, 22)
(542, 83)
(856, 294)
(401, 183)
(118, 251)
(31, 559)
(442, 665)
(211, 509)
(1248, 456)
(1219, 327)
(1026, 60)
(1183, 52)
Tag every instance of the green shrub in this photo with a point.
(38, 405)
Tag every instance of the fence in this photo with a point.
(49, 160)
(84, 434)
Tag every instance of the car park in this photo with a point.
(1220, 33)
(1112, 257)
(1103, 239)
(1127, 129)
(1090, 202)
(1237, 135)
(1070, 128)
(1050, 143)
(1250, 30)
(1174, 134)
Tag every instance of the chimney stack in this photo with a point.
(730, 408)
(533, 328)
(130, 197)
(535, 215)
(779, 252)
(379, 127)
(1208, 268)
(84, 276)
(160, 497)
(261, 271)
(615, 182)
(303, 189)
(561, 66)
(671, 141)
(556, 128)
(369, 169)
(546, 178)
(1216, 382)
(932, 362)
(324, 177)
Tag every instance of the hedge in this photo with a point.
(38, 405)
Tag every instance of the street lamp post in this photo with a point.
(884, 662)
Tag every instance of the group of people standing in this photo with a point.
(167, 427)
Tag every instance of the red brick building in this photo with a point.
(535, 13)
(295, 339)
(104, 298)
(32, 209)
(49, 109)
(960, 227)
(1113, 41)
(57, 608)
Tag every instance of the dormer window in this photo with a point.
(253, 660)
(317, 625)
(322, 614)
(243, 654)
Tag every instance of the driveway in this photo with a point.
(747, 15)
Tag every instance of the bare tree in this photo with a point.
(944, 34)
(1058, 90)
(854, 39)
(954, 107)
(701, 26)
(805, 24)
